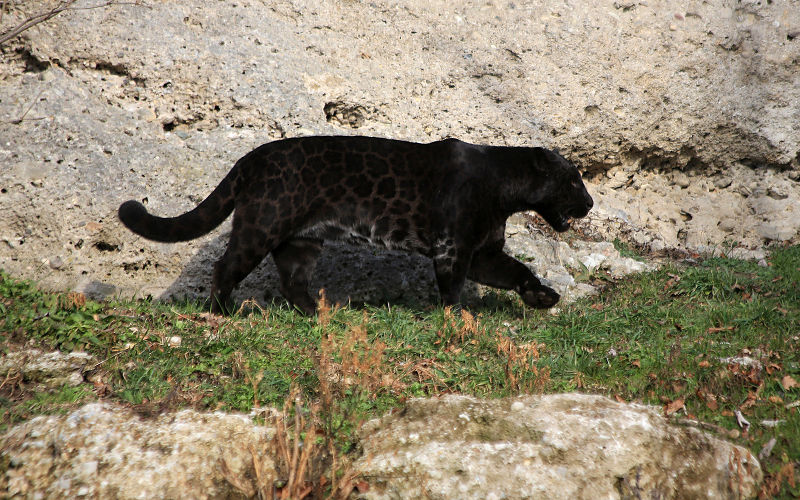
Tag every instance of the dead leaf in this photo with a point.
(636, 363)
(751, 400)
(101, 388)
(704, 364)
(362, 486)
(678, 387)
(709, 398)
(788, 382)
(717, 329)
(673, 406)
(597, 306)
(754, 377)
(775, 399)
(787, 473)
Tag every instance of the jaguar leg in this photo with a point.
(450, 264)
(493, 267)
(237, 262)
(295, 259)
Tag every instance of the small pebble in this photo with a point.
(723, 182)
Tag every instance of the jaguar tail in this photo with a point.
(209, 214)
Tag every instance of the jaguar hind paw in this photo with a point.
(301, 300)
(218, 307)
(541, 298)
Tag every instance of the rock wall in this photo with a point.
(157, 100)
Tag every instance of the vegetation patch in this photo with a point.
(715, 343)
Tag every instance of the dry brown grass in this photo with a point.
(71, 300)
(522, 374)
(305, 461)
(308, 463)
(353, 363)
(296, 446)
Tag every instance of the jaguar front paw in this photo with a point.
(540, 298)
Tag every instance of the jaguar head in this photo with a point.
(563, 195)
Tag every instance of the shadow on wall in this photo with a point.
(349, 274)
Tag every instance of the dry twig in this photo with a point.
(63, 5)
(34, 20)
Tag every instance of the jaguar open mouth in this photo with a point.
(562, 223)
(561, 220)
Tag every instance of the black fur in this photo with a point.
(448, 200)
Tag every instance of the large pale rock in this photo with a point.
(46, 369)
(104, 451)
(570, 446)
(558, 446)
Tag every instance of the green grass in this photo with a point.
(656, 338)
(625, 250)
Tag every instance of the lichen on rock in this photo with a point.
(554, 446)
(105, 451)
